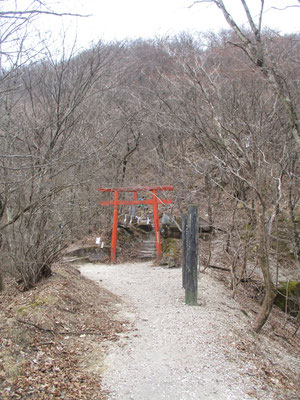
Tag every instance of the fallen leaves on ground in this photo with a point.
(50, 334)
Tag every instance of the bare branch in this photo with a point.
(19, 14)
(284, 8)
(249, 16)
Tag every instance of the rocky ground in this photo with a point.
(174, 351)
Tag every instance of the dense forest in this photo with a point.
(216, 115)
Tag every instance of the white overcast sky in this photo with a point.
(131, 19)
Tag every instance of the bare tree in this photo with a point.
(234, 124)
(253, 45)
(44, 107)
(42, 159)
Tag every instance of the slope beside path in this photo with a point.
(174, 351)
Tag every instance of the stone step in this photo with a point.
(148, 248)
(141, 256)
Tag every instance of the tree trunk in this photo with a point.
(263, 263)
(1, 282)
(207, 181)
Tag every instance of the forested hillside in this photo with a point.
(217, 116)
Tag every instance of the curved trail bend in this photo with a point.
(174, 351)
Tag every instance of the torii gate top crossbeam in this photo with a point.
(136, 189)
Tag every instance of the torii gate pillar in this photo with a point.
(154, 201)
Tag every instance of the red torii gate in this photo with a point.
(116, 203)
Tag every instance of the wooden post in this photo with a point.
(184, 244)
(191, 277)
(156, 225)
(114, 229)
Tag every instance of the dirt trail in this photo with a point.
(174, 351)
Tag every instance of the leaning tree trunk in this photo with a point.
(263, 263)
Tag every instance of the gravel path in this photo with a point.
(174, 351)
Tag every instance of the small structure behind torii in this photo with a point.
(154, 201)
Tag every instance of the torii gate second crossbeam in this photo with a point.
(154, 201)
